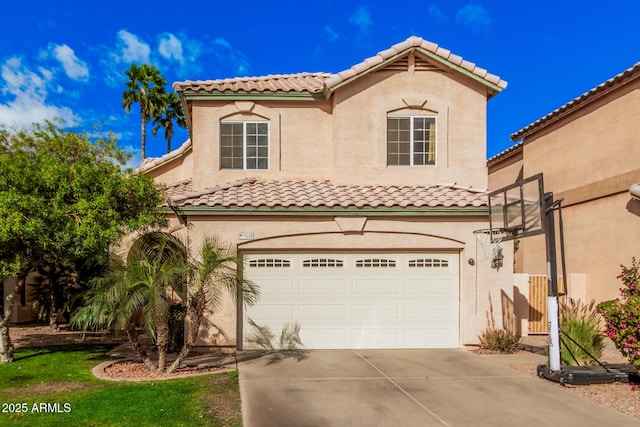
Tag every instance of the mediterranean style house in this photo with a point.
(589, 153)
(352, 198)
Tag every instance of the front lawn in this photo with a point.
(53, 386)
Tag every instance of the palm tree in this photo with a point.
(172, 110)
(146, 88)
(214, 271)
(139, 289)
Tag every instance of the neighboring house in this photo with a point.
(589, 153)
(352, 197)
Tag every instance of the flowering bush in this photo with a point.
(622, 315)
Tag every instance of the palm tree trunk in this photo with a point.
(162, 343)
(134, 340)
(143, 138)
(195, 319)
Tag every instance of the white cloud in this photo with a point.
(475, 17)
(73, 67)
(170, 47)
(131, 48)
(361, 18)
(437, 13)
(234, 57)
(135, 161)
(29, 91)
(332, 35)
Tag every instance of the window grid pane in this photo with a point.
(244, 145)
(398, 141)
(411, 141)
(231, 141)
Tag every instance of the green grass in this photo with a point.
(62, 375)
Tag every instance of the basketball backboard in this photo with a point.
(517, 209)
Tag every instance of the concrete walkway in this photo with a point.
(408, 388)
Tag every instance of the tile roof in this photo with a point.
(319, 82)
(301, 82)
(152, 162)
(410, 43)
(587, 97)
(250, 192)
(505, 153)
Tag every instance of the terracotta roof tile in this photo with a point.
(250, 192)
(587, 97)
(301, 82)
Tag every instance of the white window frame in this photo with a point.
(244, 143)
(412, 141)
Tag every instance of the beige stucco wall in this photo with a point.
(589, 159)
(176, 170)
(477, 281)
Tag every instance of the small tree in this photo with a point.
(138, 288)
(64, 199)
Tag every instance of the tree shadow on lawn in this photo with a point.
(100, 350)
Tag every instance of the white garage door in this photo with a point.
(366, 300)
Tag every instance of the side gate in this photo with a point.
(538, 303)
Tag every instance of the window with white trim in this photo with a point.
(411, 141)
(244, 145)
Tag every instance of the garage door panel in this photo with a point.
(432, 287)
(429, 312)
(382, 312)
(387, 287)
(325, 287)
(360, 301)
(322, 312)
(276, 288)
(274, 312)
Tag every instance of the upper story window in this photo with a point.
(411, 141)
(244, 145)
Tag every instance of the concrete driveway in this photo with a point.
(408, 388)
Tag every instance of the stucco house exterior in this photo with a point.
(589, 153)
(352, 197)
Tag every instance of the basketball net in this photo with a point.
(490, 241)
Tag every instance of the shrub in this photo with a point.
(581, 323)
(499, 340)
(622, 316)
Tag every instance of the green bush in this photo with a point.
(499, 340)
(622, 316)
(580, 322)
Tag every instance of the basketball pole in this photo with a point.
(553, 321)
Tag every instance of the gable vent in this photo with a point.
(402, 64)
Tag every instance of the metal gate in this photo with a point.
(538, 303)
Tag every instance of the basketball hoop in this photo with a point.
(490, 241)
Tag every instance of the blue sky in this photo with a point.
(67, 59)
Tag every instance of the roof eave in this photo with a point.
(229, 95)
(330, 211)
